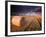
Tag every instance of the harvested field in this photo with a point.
(26, 23)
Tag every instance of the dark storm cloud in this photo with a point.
(24, 10)
(37, 9)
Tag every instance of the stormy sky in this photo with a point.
(20, 10)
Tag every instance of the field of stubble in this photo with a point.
(26, 23)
